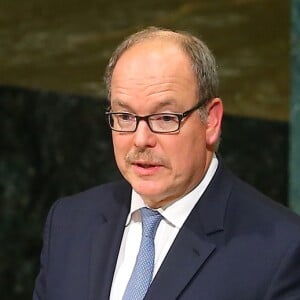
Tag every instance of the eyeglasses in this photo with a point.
(158, 123)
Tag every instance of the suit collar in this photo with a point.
(193, 246)
(196, 241)
(213, 203)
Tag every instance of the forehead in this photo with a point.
(153, 64)
(165, 55)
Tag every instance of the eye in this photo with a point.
(167, 118)
(126, 117)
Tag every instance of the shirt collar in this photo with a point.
(177, 212)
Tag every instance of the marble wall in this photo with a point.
(57, 144)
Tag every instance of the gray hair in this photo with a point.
(202, 60)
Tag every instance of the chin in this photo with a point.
(148, 189)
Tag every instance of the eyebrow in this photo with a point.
(160, 105)
(120, 104)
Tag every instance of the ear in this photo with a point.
(214, 121)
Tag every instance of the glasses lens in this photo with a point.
(122, 121)
(164, 122)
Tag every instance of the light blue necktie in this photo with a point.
(142, 273)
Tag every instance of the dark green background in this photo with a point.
(57, 144)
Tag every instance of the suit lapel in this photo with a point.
(106, 237)
(196, 241)
(185, 258)
(193, 247)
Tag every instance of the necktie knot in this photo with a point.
(150, 221)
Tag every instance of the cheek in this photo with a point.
(185, 152)
(120, 142)
(190, 151)
(120, 148)
(188, 155)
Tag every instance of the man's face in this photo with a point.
(156, 77)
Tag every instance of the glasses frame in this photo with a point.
(180, 117)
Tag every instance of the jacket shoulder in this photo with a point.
(106, 197)
(258, 209)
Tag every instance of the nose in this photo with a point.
(143, 136)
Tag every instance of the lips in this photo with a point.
(145, 165)
(142, 168)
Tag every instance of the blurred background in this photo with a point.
(54, 138)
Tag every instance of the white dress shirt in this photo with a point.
(174, 216)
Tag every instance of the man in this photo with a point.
(217, 238)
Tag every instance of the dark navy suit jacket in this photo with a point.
(235, 245)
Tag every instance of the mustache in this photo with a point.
(145, 155)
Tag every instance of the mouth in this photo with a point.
(142, 168)
(145, 165)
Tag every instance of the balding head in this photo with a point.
(201, 59)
